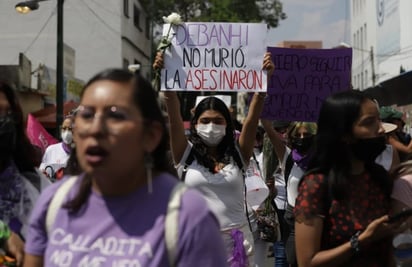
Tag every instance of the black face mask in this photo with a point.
(367, 149)
(7, 136)
(302, 145)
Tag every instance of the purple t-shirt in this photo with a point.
(126, 231)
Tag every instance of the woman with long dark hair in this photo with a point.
(126, 208)
(20, 183)
(341, 213)
(211, 161)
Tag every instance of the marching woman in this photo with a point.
(342, 208)
(126, 208)
(211, 161)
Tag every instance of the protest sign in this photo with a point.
(37, 134)
(302, 79)
(215, 57)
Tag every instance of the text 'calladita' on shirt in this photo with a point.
(121, 252)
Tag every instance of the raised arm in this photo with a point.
(178, 140)
(278, 146)
(248, 134)
(400, 147)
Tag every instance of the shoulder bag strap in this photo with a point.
(288, 167)
(172, 222)
(57, 201)
(190, 158)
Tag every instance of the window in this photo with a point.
(355, 51)
(361, 81)
(361, 38)
(126, 8)
(136, 17)
(148, 28)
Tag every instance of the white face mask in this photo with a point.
(211, 133)
(67, 137)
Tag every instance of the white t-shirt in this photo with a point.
(293, 183)
(294, 178)
(54, 156)
(223, 191)
(280, 184)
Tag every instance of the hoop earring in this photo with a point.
(148, 163)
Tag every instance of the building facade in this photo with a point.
(381, 40)
(104, 33)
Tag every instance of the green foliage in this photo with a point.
(268, 11)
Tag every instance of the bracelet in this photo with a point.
(5, 233)
(354, 242)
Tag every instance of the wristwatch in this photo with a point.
(354, 242)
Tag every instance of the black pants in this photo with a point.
(290, 247)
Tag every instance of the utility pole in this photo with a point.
(151, 13)
(59, 67)
(373, 67)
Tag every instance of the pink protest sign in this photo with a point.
(37, 134)
(302, 79)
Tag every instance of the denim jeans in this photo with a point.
(280, 256)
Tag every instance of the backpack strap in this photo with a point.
(257, 164)
(190, 158)
(288, 167)
(57, 201)
(243, 170)
(172, 222)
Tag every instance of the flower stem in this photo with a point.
(168, 32)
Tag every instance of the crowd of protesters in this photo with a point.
(126, 188)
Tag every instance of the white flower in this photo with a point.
(173, 19)
(134, 67)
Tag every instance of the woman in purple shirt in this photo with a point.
(114, 213)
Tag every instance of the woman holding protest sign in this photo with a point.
(212, 161)
(293, 163)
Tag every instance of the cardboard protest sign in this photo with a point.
(302, 79)
(215, 57)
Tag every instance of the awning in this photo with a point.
(47, 115)
(395, 91)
